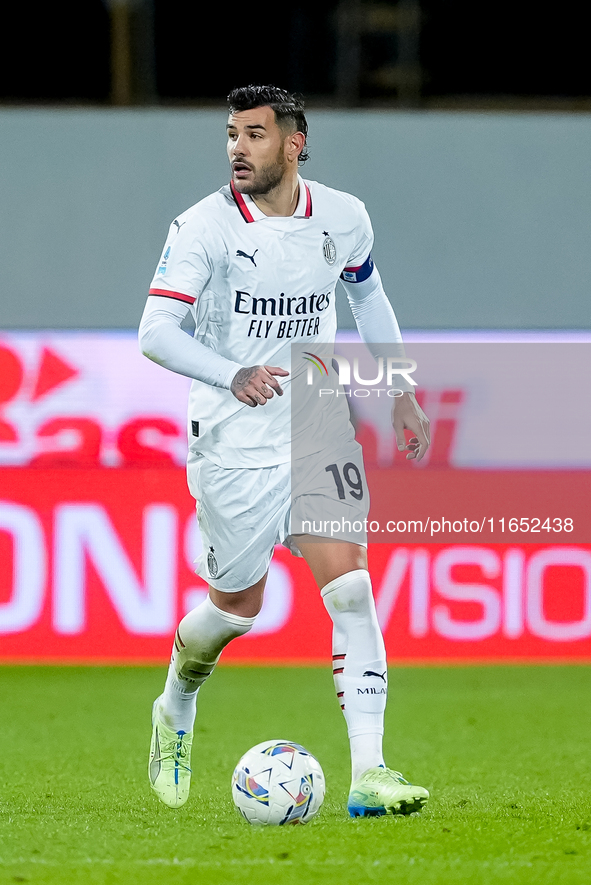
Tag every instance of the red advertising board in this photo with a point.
(482, 551)
(97, 565)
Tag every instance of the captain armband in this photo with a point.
(360, 273)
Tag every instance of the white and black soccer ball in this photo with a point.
(276, 783)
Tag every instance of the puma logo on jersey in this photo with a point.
(178, 226)
(241, 254)
(373, 673)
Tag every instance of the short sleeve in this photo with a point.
(185, 266)
(359, 263)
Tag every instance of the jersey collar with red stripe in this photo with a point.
(251, 212)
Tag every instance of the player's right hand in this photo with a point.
(254, 385)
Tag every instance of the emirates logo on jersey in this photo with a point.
(329, 249)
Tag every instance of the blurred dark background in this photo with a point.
(351, 53)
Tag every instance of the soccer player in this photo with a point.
(257, 263)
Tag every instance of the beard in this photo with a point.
(266, 179)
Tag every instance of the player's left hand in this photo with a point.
(408, 415)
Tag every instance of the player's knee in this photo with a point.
(204, 632)
(349, 593)
(242, 603)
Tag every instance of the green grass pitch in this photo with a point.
(505, 752)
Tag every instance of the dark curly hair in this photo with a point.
(288, 108)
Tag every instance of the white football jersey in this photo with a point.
(257, 284)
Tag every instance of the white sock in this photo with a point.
(359, 666)
(198, 643)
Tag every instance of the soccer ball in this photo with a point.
(276, 783)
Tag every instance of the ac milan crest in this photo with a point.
(212, 563)
(329, 249)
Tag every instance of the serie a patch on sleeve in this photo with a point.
(195, 428)
(360, 273)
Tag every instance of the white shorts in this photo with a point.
(329, 495)
(244, 512)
